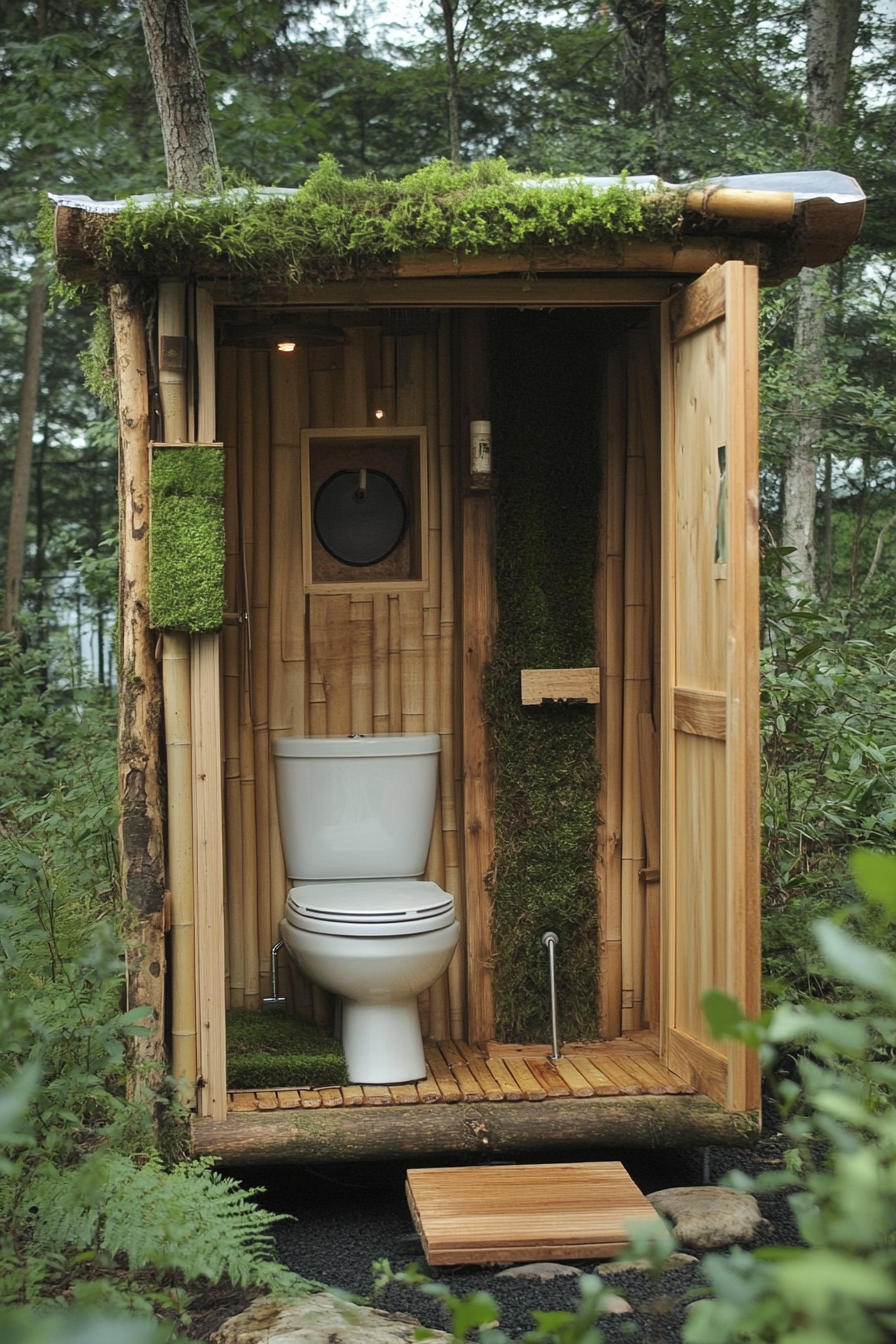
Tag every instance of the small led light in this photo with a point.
(379, 415)
(286, 346)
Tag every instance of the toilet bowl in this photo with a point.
(355, 821)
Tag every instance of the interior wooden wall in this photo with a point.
(627, 623)
(323, 665)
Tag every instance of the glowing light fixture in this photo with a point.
(286, 346)
(379, 415)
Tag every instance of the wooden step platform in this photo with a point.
(510, 1214)
(459, 1072)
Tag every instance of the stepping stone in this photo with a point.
(677, 1260)
(707, 1217)
(542, 1270)
(318, 1318)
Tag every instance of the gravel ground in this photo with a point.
(349, 1215)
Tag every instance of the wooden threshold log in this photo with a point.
(487, 1129)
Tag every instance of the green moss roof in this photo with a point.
(335, 228)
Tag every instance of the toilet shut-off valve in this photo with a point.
(277, 1002)
(550, 941)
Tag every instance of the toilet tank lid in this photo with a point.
(381, 744)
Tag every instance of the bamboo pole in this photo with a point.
(246, 450)
(387, 379)
(448, 784)
(231, 637)
(381, 609)
(178, 740)
(361, 618)
(208, 872)
(636, 700)
(140, 835)
(331, 638)
(410, 378)
(410, 606)
(394, 664)
(609, 629)
(265, 814)
(179, 756)
(286, 629)
(355, 372)
(432, 598)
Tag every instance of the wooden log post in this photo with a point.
(140, 828)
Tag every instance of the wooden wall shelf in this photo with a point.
(563, 684)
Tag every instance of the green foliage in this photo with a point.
(546, 774)
(334, 227)
(828, 751)
(840, 1117)
(91, 1220)
(96, 360)
(186, 571)
(267, 1050)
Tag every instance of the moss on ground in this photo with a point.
(544, 412)
(266, 1050)
(334, 227)
(186, 570)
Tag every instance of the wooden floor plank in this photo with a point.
(331, 1096)
(524, 1079)
(428, 1089)
(242, 1101)
(492, 1091)
(505, 1079)
(656, 1069)
(288, 1100)
(310, 1099)
(545, 1211)
(626, 1085)
(595, 1076)
(461, 1072)
(441, 1073)
(376, 1094)
(267, 1101)
(546, 1075)
(404, 1094)
(574, 1079)
(352, 1095)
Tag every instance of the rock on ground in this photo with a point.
(541, 1270)
(707, 1217)
(318, 1318)
(677, 1260)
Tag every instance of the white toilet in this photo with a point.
(355, 821)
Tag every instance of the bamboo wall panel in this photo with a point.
(328, 664)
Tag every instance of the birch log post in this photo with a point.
(140, 828)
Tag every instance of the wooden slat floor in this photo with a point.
(536, 1211)
(457, 1071)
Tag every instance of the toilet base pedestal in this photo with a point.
(382, 1042)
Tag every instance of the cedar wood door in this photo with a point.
(710, 681)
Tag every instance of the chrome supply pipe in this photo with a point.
(277, 1002)
(550, 941)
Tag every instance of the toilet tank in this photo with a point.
(356, 807)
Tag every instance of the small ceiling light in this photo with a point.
(379, 415)
(286, 346)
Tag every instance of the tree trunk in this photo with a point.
(21, 477)
(831, 30)
(189, 140)
(448, 14)
(139, 691)
(645, 77)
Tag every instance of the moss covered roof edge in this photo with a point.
(333, 227)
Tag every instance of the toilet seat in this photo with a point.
(370, 909)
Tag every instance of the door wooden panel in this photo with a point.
(710, 690)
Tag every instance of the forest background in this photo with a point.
(682, 88)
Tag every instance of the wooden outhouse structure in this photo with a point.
(390, 369)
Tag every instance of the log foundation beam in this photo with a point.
(486, 1130)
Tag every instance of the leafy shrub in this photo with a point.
(840, 1116)
(90, 1217)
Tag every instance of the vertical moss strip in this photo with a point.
(543, 372)
(186, 573)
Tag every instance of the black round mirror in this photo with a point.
(360, 516)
